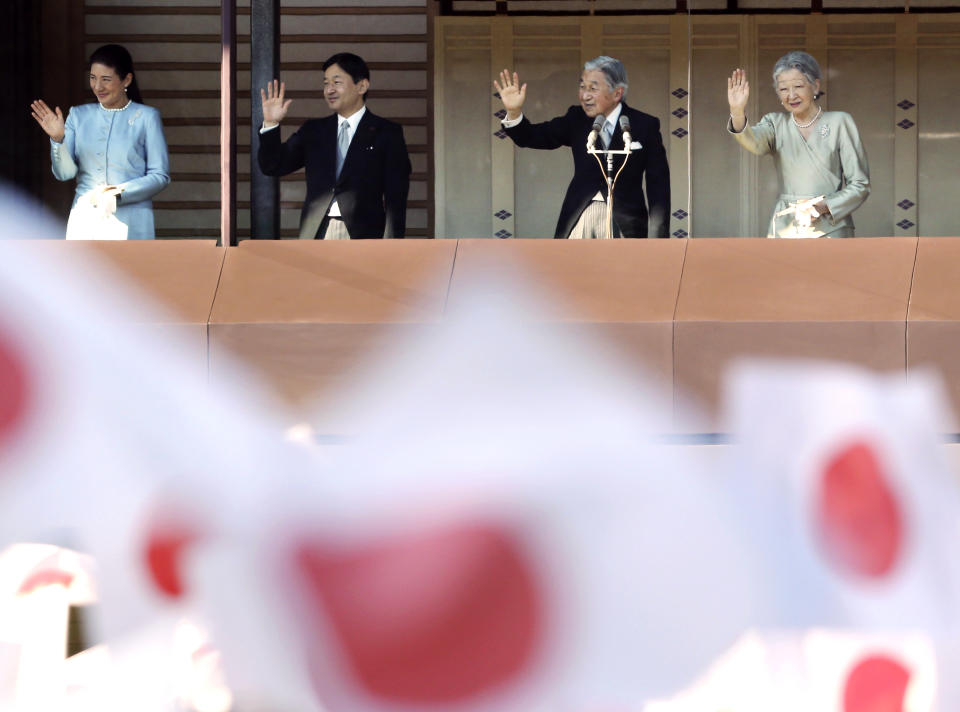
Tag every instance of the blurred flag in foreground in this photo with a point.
(816, 669)
(849, 469)
(112, 444)
(502, 528)
(503, 532)
(858, 511)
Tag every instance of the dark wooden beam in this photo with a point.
(206, 39)
(289, 66)
(213, 10)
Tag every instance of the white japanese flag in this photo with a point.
(111, 442)
(818, 669)
(844, 476)
(38, 583)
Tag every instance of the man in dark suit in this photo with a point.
(358, 170)
(603, 85)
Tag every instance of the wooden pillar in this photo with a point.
(906, 120)
(433, 9)
(501, 151)
(264, 68)
(20, 132)
(228, 122)
(817, 45)
(62, 82)
(678, 127)
(753, 217)
(591, 40)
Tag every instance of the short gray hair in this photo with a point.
(612, 69)
(801, 61)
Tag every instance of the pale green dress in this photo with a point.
(831, 162)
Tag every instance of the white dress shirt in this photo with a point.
(610, 124)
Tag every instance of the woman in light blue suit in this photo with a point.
(114, 148)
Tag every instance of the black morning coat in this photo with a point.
(373, 185)
(630, 209)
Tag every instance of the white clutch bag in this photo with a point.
(89, 222)
(798, 219)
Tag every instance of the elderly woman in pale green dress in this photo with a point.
(821, 164)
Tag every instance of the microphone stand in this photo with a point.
(608, 174)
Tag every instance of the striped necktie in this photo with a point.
(343, 145)
(607, 134)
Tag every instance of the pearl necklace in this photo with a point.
(122, 108)
(798, 125)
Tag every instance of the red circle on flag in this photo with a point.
(860, 523)
(432, 617)
(164, 550)
(876, 684)
(45, 577)
(14, 388)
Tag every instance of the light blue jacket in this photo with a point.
(122, 148)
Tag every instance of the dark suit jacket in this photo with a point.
(373, 185)
(629, 206)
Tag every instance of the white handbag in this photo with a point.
(88, 221)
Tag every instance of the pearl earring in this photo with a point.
(124, 89)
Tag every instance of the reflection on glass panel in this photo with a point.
(678, 65)
(860, 82)
(768, 188)
(714, 161)
(467, 161)
(541, 177)
(938, 150)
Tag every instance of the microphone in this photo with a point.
(625, 127)
(595, 131)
